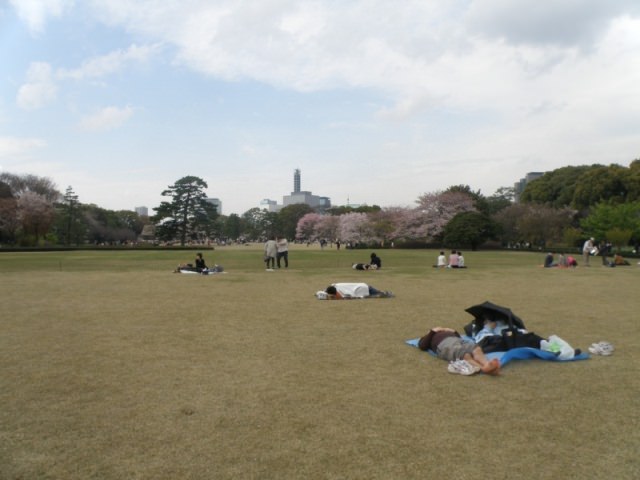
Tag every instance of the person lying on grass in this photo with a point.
(491, 339)
(447, 344)
(363, 266)
(346, 291)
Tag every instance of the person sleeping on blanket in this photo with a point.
(447, 344)
(347, 291)
(491, 339)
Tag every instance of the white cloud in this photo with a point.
(39, 89)
(107, 119)
(568, 23)
(110, 63)
(14, 146)
(419, 54)
(35, 13)
(479, 91)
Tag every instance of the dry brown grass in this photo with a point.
(110, 372)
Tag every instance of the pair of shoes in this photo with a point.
(388, 294)
(601, 348)
(270, 270)
(462, 367)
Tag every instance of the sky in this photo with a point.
(376, 101)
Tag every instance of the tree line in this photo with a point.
(561, 208)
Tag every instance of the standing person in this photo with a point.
(283, 251)
(338, 244)
(375, 260)
(605, 248)
(270, 252)
(586, 250)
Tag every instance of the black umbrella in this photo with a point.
(496, 312)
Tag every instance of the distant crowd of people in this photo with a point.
(589, 249)
(276, 255)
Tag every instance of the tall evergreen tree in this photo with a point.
(70, 203)
(188, 212)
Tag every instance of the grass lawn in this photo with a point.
(112, 367)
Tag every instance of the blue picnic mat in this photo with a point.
(522, 353)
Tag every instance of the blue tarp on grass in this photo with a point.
(522, 353)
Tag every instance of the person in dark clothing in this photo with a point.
(447, 344)
(604, 248)
(548, 261)
(199, 266)
(200, 263)
(375, 260)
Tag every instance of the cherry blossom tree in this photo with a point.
(385, 222)
(434, 211)
(306, 228)
(328, 227)
(35, 213)
(356, 228)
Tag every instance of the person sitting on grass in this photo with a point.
(442, 261)
(347, 291)
(447, 344)
(562, 261)
(453, 259)
(200, 265)
(618, 261)
(548, 261)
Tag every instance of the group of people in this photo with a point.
(276, 249)
(589, 249)
(456, 260)
(467, 356)
(561, 262)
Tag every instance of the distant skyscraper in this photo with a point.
(142, 211)
(270, 205)
(519, 186)
(217, 203)
(296, 180)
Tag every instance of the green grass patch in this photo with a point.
(113, 367)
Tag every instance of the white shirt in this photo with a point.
(283, 245)
(353, 290)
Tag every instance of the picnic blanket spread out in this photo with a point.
(200, 273)
(522, 353)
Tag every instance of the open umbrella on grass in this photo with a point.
(496, 312)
